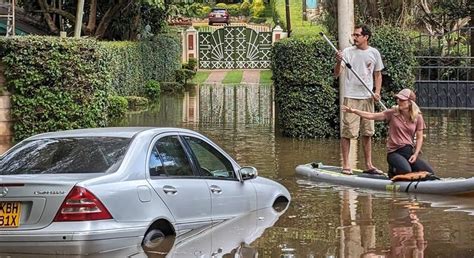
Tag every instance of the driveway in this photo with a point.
(249, 76)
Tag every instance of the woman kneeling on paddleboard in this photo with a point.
(404, 123)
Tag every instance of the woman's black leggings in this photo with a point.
(398, 162)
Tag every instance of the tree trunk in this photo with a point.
(47, 17)
(108, 16)
(92, 22)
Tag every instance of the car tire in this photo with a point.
(156, 240)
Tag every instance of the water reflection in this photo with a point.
(228, 239)
(327, 220)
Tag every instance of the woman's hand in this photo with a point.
(413, 158)
(347, 109)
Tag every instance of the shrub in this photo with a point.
(258, 20)
(152, 89)
(56, 83)
(233, 9)
(245, 8)
(191, 65)
(184, 75)
(118, 106)
(257, 9)
(221, 5)
(136, 101)
(304, 93)
(204, 11)
(133, 64)
(172, 87)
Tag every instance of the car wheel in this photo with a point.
(153, 238)
(155, 242)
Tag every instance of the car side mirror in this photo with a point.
(248, 172)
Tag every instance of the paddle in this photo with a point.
(354, 72)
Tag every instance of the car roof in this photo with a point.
(122, 132)
(219, 9)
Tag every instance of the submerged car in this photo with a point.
(219, 15)
(89, 190)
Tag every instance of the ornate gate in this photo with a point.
(234, 48)
(445, 71)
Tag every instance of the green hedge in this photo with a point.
(306, 93)
(55, 83)
(133, 64)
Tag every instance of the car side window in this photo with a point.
(211, 161)
(169, 158)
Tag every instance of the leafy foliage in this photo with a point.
(113, 20)
(55, 83)
(304, 93)
(118, 106)
(135, 63)
(152, 89)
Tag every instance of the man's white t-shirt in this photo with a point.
(364, 63)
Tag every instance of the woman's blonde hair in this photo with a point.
(414, 110)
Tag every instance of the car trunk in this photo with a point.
(32, 201)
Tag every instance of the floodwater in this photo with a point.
(325, 220)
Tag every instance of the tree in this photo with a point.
(435, 16)
(105, 19)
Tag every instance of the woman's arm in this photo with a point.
(419, 143)
(367, 115)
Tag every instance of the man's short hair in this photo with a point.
(365, 30)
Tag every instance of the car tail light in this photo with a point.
(81, 205)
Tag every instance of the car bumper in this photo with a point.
(219, 20)
(54, 239)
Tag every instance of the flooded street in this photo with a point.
(328, 220)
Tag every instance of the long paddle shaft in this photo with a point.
(354, 72)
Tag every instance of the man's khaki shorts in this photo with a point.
(352, 123)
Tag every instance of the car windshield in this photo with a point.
(65, 155)
(218, 11)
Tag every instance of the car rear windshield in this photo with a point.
(65, 155)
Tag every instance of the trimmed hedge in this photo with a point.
(133, 64)
(64, 83)
(56, 83)
(306, 92)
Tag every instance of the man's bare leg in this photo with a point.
(345, 147)
(367, 142)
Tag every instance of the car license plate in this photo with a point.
(10, 214)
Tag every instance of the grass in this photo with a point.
(266, 76)
(233, 77)
(201, 76)
(299, 27)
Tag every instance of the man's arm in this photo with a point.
(378, 84)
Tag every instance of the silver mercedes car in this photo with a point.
(89, 190)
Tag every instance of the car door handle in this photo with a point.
(168, 189)
(215, 189)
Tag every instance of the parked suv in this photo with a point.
(219, 15)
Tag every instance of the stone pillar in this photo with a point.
(190, 43)
(278, 34)
(6, 132)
